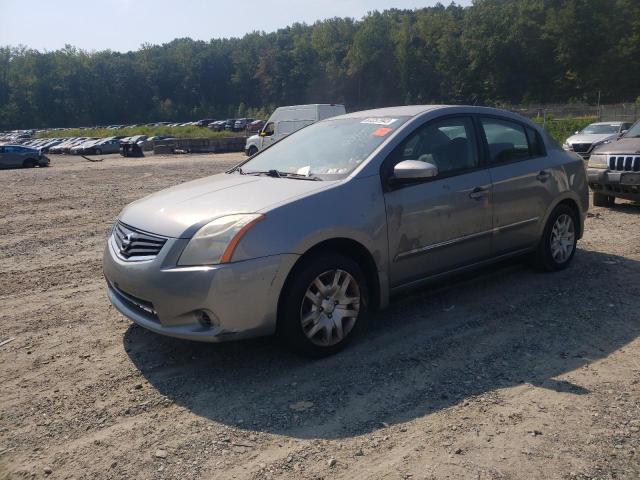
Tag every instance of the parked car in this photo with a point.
(104, 145)
(286, 120)
(65, 146)
(255, 126)
(218, 126)
(229, 124)
(593, 135)
(21, 156)
(323, 226)
(614, 169)
(204, 122)
(80, 148)
(51, 143)
(241, 124)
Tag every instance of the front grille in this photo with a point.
(581, 147)
(133, 244)
(624, 163)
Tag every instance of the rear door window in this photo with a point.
(507, 141)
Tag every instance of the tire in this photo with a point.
(252, 150)
(602, 200)
(98, 151)
(557, 245)
(305, 325)
(29, 163)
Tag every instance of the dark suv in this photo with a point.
(614, 169)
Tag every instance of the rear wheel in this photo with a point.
(29, 163)
(558, 243)
(324, 305)
(602, 200)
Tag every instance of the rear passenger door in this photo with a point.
(524, 182)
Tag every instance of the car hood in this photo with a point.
(624, 145)
(179, 211)
(589, 137)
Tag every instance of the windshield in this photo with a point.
(634, 131)
(328, 150)
(601, 129)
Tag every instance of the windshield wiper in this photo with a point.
(278, 174)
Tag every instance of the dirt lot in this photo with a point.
(505, 374)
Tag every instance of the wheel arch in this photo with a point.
(572, 203)
(352, 249)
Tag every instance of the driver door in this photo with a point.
(268, 134)
(438, 224)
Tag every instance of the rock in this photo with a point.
(359, 453)
(160, 454)
(458, 451)
(138, 386)
(332, 462)
(48, 470)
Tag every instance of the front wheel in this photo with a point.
(98, 151)
(324, 305)
(29, 163)
(252, 150)
(558, 243)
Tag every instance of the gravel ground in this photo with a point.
(505, 374)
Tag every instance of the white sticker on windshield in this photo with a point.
(380, 121)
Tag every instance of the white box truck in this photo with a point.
(286, 120)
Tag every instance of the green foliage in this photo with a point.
(176, 132)
(494, 51)
(562, 128)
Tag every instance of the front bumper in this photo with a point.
(240, 299)
(616, 184)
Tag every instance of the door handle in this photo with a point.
(477, 193)
(543, 176)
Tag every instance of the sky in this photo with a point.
(124, 25)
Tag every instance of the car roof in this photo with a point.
(417, 110)
(607, 123)
(404, 111)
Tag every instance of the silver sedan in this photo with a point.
(308, 236)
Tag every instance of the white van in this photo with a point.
(286, 120)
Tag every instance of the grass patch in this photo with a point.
(177, 132)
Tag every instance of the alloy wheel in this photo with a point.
(330, 308)
(562, 238)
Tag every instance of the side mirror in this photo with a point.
(577, 132)
(414, 170)
(263, 134)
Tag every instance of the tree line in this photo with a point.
(492, 52)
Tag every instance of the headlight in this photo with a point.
(566, 146)
(216, 241)
(598, 161)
